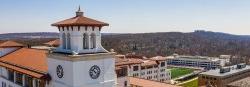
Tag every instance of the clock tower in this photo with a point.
(80, 60)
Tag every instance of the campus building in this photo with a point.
(154, 69)
(79, 61)
(196, 61)
(224, 76)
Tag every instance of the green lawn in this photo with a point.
(193, 83)
(177, 72)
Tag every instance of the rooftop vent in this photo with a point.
(225, 69)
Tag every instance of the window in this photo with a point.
(19, 78)
(93, 41)
(143, 73)
(155, 71)
(125, 83)
(149, 72)
(155, 66)
(85, 41)
(39, 83)
(162, 64)
(162, 70)
(3, 84)
(64, 40)
(135, 68)
(11, 75)
(68, 42)
(28, 81)
(135, 74)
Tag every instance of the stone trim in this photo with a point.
(83, 57)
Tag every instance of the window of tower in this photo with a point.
(93, 40)
(85, 41)
(64, 40)
(68, 42)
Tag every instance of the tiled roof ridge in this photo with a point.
(77, 20)
(23, 67)
(20, 66)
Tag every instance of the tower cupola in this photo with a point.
(80, 34)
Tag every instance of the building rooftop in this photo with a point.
(159, 58)
(26, 60)
(122, 60)
(10, 44)
(127, 61)
(149, 63)
(148, 83)
(198, 58)
(233, 70)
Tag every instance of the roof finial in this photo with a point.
(79, 8)
(79, 12)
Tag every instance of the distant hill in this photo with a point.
(193, 43)
(152, 44)
(28, 35)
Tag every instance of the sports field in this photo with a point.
(177, 72)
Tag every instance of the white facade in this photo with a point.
(76, 73)
(196, 61)
(154, 69)
(157, 73)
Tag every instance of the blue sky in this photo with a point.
(130, 16)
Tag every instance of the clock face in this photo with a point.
(94, 72)
(59, 71)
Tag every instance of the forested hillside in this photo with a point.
(195, 43)
(152, 44)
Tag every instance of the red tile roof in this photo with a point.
(149, 63)
(148, 83)
(26, 60)
(80, 21)
(10, 44)
(22, 70)
(127, 61)
(159, 58)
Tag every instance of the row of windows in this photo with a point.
(149, 72)
(27, 81)
(162, 70)
(162, 80)
(149, 77)
(162, 75)
(136, 68)
(135, 74)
